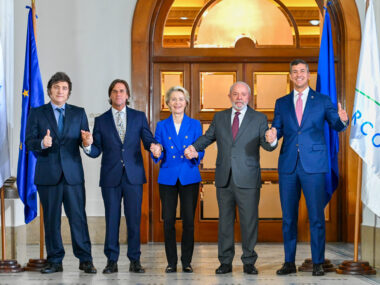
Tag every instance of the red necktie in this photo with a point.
(235, 125)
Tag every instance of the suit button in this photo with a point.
(170, 138)
(184, 146)
(171, 147)
(121, 161)
(296, 145)
(185, 137)
(181, 156)
(173, 156)
(299, 133)
(122, 149)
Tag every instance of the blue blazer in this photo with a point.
(308, 138)
(63, 155)
(174, 164)
(117, 155)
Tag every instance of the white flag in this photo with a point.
(365, 127)
(5, 171)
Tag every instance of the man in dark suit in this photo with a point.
(53, 132)
(117, 135)
(300, 119)
(239, 132)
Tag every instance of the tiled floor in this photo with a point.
(204, 263)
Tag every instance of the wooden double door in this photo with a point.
(208, 85)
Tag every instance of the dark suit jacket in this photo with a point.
(116, 154)
(174, 164)
(308, 138)
(63, 155)
(241, 156)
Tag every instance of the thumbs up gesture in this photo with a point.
(342, 113)
(47, 141)
(87, 138)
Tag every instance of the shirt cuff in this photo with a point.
(42, 145)
(274, 143)
(87, 149)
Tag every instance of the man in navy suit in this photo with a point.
(300, 118)
(117, 134)
(53, 132)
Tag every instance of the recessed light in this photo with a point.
(314, 22)
(183, 18)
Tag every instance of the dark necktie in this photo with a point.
(60, 120)
(235, 125)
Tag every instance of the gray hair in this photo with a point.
(297, 62)
(177, 88)
(240, 83)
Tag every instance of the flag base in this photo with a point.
(351, 267)
(307, 266)
(10, 266)
(35, 265)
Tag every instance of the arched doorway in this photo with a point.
(160, 59)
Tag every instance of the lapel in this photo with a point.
(227, 122)
(130, 122)
(290, 102)
(245, 123)
(67, 119)
(49, 113)
(183, 130)
(170, 128)
(111, 122)
(309, 104)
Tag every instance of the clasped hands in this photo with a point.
(271, 135)
(191, 152)
(155, 149)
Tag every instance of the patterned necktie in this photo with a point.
(60, 120)
(299, 108)
(120, 126)
(235, 125)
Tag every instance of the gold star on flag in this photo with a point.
(20, 146)
(25, 93)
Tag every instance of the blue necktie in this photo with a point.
(60, 120)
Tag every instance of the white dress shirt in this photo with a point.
(305, 94)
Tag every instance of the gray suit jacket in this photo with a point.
(242, 156)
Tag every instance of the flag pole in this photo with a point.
(356, 266)
(10, 265)
(37, 264)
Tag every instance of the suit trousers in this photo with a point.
(247, 201)
(188, 195)
(313, 187)
(74, 202)
(131, 194)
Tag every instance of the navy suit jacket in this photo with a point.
(174, 164)
(307, 140)
(64, 154)
(116, 154)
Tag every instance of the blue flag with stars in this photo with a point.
(32, 96)
(326, 84)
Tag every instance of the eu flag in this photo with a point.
(32, 96)
(326, 85)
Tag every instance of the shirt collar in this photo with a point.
(242, 112)
(57, 107)
(114, 111)
(304, 93)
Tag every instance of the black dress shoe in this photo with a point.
(111, 267)
(136, 267)
(52, 268)
(287, 268)
(250, 269)
(187, 269)
(223, 269)
(170, 269)
(87, 267)
(318, 269)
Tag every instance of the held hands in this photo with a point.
(342, 113)
(47, 141)
(191, 152)
(155, 150)
(271, 135)
(86, 138)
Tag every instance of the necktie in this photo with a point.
(235, 125)
(60, 121)
(299, 108)
(120, 126)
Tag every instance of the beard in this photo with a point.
(239, 108)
